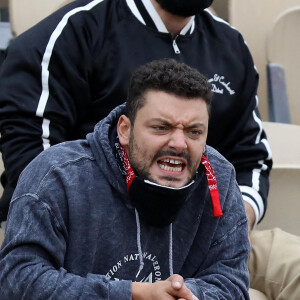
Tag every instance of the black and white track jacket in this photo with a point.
(69, 71)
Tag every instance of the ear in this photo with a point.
(123, 128)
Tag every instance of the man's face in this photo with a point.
(167, 141)
(184, 8)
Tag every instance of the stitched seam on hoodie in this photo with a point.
(62, 165)
(44, 204)
(233, 229)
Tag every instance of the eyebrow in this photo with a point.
(165, 122)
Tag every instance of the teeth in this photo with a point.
(172, 161)
(167, 168)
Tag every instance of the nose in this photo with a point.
(177, 140)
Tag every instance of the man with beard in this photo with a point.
(141, 209)
(69, 71)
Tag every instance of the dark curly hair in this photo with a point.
(167, 75)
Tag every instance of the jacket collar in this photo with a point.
(145, 12)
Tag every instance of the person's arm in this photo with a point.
(250, 215)
(43, 91)
(33, 255)
(250, 153)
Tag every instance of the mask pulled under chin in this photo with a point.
(156, 204)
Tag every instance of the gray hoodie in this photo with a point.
(72, 232)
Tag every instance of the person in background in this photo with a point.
(141, 209)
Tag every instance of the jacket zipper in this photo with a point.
(175, 46)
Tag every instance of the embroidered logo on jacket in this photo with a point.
(154, 275)
(218, 85)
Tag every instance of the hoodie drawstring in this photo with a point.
(139, 246)
(171, 250)
(138, 241)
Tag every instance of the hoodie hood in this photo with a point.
(102, 141)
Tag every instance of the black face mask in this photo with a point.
(159, 205)
(156, 204)
(184, 8)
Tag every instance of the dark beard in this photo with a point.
(184, 8)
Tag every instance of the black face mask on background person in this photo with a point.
(184, 8)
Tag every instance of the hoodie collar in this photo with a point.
(146, 13)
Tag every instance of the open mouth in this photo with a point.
(171, 165)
